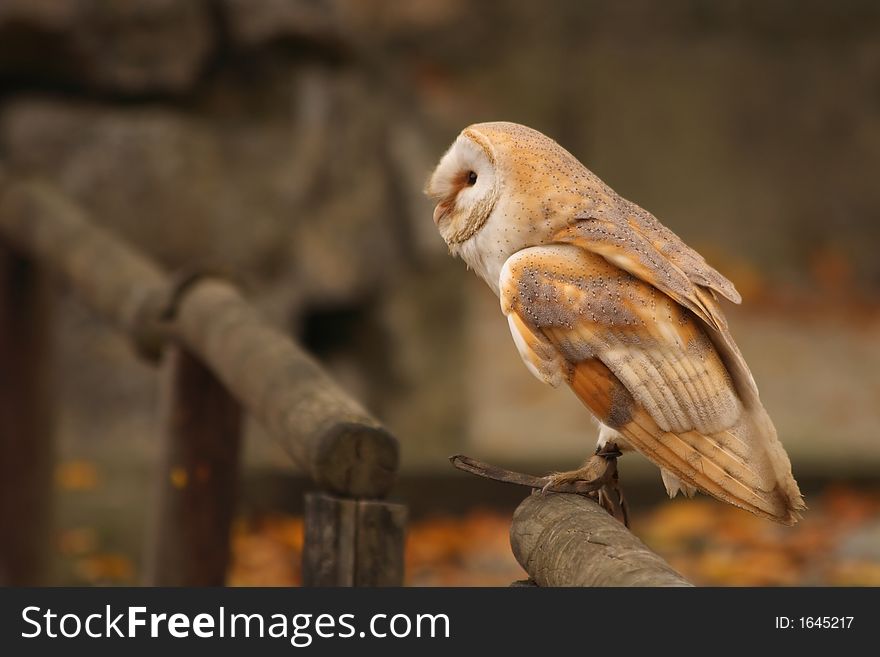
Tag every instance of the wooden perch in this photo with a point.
(569, 540)
(326, 432)
(561, 537)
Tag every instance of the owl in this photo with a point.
(601, 296)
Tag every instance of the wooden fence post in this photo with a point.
(198, 475)
(26, 446)
(353, 542)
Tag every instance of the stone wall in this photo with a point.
(263, 138)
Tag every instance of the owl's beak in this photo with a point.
(441, 211)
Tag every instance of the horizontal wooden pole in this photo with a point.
(344, 449)
(562, 539)
(325, 431)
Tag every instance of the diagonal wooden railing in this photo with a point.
(218, 356)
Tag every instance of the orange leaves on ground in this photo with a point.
(854, 573)
(178, 477)
(738, 567)
(837, 543)
(672, 524)
(472, 550)
(848, 506)
(77, 541)
(76, 476)
(714, 544)
(708, 542)
(105, 568)
(832, 270)
(91, 563)
(266, 551)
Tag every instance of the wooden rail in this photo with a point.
(219, 354)
(343, 448)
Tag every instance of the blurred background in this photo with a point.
(287, 141)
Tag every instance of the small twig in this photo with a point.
(481, 469)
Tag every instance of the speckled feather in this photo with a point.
(602, 296)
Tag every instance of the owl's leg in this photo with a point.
(609, 446)
(608, 435)
(610, 496)
(602, 465)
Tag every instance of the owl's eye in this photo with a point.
(472, 178)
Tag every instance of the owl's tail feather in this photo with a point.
(745, 466)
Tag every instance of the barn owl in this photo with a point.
(601, 296)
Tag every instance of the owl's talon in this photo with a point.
(554, 480)
(592, 472)
(601, 470)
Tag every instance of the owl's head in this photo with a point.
(465, 186)
(488, 160)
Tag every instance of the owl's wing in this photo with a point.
(635, 241)
(646, 366)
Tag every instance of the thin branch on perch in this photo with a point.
(481, 469)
